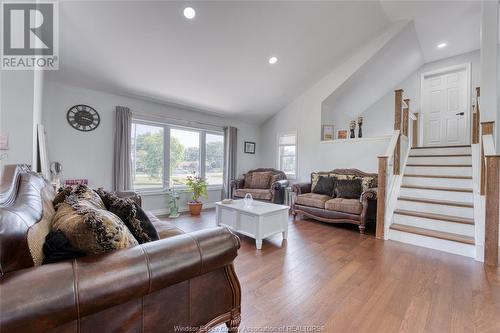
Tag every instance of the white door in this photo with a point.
(445, 109)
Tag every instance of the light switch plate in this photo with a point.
(4, 142)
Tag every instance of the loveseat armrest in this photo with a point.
(236, 184)
(369, 194)
(278, 189)
(280, 184)
(40, 298)
(301, 188)
(134, 196)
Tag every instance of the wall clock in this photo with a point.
(83, 118)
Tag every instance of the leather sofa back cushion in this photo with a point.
(261, 179)
(348, 188)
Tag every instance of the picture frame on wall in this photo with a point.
(249, 147)
(327, 133)
(342, 134)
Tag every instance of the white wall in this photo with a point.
(90, 154)
(389, 66)
(16, 115)
(378, 119)
(304, 116)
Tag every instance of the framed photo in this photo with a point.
(249, 147)
(327, 132)
(342, 134)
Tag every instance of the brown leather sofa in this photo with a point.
(273, 190)
(180, 282)
(337, 210)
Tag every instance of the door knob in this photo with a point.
(460, 113)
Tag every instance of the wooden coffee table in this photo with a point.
(259, 220)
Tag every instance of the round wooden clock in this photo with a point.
(83, 118)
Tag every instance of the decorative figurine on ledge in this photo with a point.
(352, 127)
(360, 123)
(172, 199)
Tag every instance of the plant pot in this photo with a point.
(195, 208)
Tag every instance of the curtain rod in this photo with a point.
(166, 118)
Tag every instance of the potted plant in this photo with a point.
(198, 187)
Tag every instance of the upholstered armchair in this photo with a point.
(264, 184)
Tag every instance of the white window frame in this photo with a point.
(278, 162)
(166, 153)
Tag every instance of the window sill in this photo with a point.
(146, 193)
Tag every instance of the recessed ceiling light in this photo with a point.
(441, 45)
(273, 60)
(189, 13)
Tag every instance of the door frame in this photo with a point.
(467, 67)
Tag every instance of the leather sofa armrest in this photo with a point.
(301, 188)
(40, 298)
(370, 194)
(130, 195)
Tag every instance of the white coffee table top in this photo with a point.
(257, 207)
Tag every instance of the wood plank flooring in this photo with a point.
(336, 280)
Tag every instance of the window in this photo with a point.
(165, 155)
(287, 151)
(147, 156)
(214, 163)
(184, 155)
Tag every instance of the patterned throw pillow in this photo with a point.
(261, 180)
(348, 188)
(315, 177)
(366, 183)
(324, 185)
(82, 217)
(131, 214)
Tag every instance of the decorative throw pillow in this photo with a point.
(324, 185)
(366, 183)
(131, 214)
(81, 192)
(38, 231)
(57, 247)
(261, 179)
(315, 177)
(248, 180)
(348, 188)
(88, 226)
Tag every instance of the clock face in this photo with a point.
(83, 118)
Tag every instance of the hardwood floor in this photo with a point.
(336, 280)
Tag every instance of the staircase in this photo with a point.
(435, 203)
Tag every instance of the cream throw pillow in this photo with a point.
(38, 231)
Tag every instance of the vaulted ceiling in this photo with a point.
(218, 62)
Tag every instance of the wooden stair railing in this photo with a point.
(383, 162)
(491, 190)
(397, 127)
(386, 174)
(476, 117)
(486, 129)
